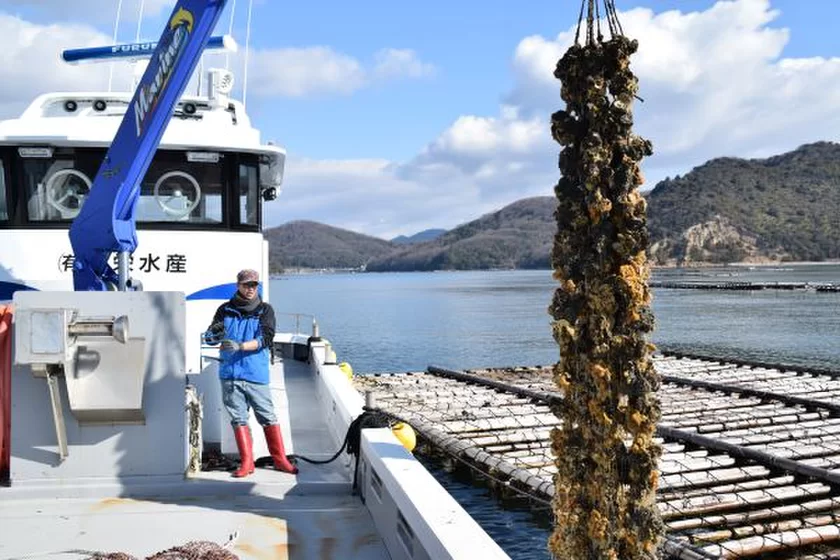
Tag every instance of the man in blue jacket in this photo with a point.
(245, 327)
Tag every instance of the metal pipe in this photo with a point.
(116, 327)
(123, 269)
(370, 400)
(58, 415)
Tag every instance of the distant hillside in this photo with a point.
(305, 244)
(425, 235)
(517, 236)
(785, 207)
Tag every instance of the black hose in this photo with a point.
(353, 438)
(295, 457)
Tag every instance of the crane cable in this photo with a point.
(593, 30)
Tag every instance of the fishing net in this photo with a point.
(604, 449)
(194, 550)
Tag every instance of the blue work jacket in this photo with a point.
(239, 326)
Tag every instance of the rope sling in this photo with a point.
(605, 453)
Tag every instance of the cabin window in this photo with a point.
(249, 195)
(183, 187)
(179, 187)
(57, 182)
(4, 206)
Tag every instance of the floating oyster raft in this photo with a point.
(605, 452)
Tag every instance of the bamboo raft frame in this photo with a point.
(746, 286)
(751, 452)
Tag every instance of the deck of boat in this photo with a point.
(272, 515)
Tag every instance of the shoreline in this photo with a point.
(693, 266)
(769, 264)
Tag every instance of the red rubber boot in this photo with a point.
(246, 451)
(274, 439)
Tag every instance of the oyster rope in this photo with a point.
(605, 452)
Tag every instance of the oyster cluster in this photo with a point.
(193, 550)
(605, 452)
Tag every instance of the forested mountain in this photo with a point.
(305, 244)
(517, 236)
(785, 207)
(425, 235)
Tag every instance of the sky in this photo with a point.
(403, 116)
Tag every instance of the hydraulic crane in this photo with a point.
(106, 223)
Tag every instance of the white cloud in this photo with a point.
(299, 72)
(400, 63)
(304, 71)
(714, 84)
(30, 59)
(372, 196)
(475, 167)
(472, 137)
(30, 62)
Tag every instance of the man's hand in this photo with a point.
(214, 333)
(230, 345)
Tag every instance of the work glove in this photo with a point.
(230, 345)
(215, 333)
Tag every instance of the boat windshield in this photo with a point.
(181, 188)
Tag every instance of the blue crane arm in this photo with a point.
(106, 223)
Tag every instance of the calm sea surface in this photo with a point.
(389, 322)
(394, 322)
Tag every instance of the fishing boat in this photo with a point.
(110, 403)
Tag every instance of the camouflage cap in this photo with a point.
(247, 275)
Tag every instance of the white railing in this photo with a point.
(297, 322)
(415, 516)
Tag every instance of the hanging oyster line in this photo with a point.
(605, 453)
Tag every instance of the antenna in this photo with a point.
(230, 32)
(139, 21)
(137, 66)
(247, 48)
(200, 74)
(116, 28)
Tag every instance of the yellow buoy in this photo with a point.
(406, 435)
(347, 369)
